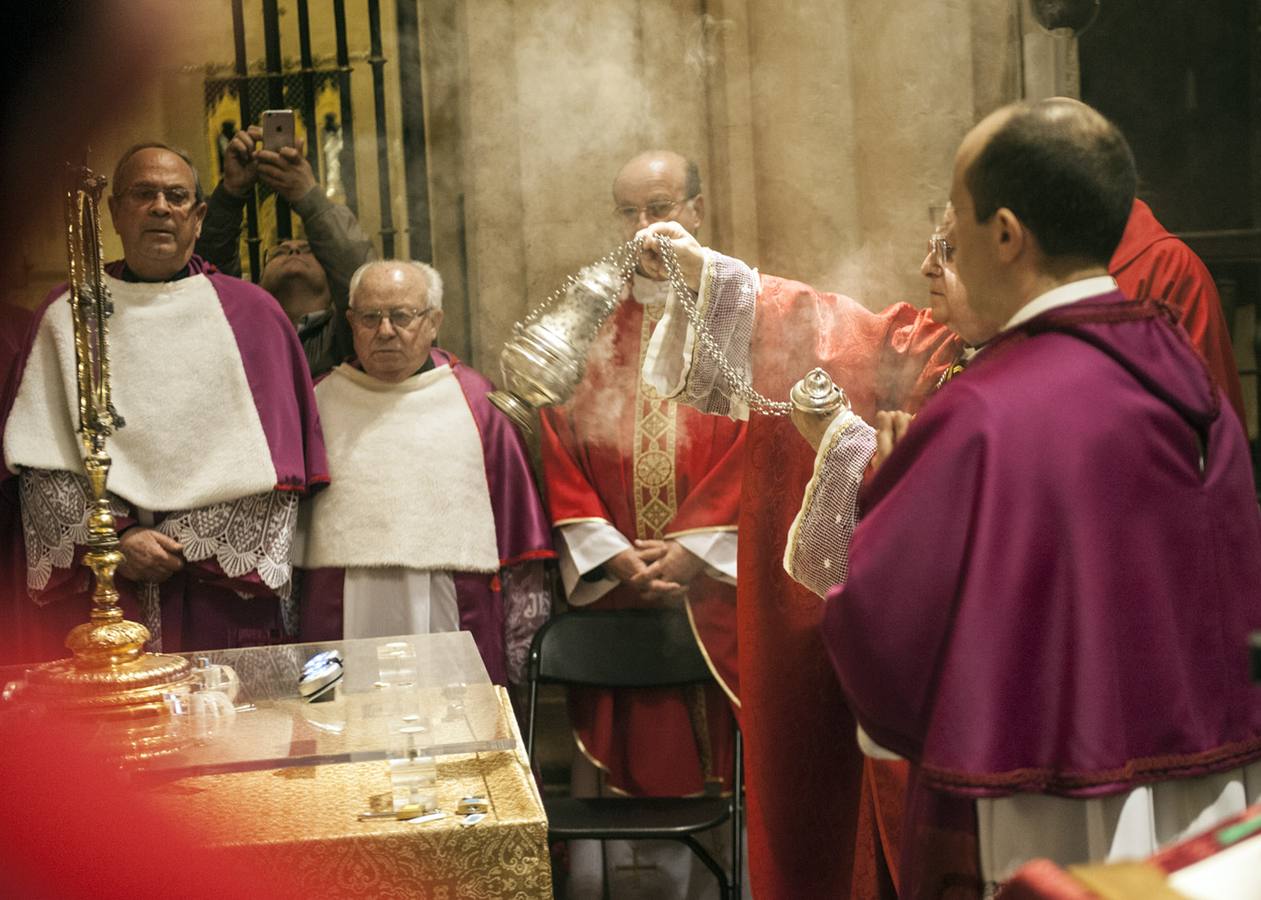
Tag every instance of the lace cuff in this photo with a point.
(55, 510)
(252, 534)
(817, 554)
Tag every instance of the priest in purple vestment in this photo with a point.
(434, 522)
(1051, 587)
(221, 438)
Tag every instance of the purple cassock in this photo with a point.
(228, 593)
(521, 531)
(1054, 579)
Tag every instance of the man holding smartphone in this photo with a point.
(310, 278)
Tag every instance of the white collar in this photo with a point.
(417, 382)
(1062, 296)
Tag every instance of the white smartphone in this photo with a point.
(277, 129)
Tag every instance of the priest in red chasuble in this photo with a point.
(802, 753)
(644, 495)
(1152, 264)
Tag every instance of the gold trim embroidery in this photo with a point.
(612, 788)
(713, 669)
(656, 433)
(559, 522)
(686, 531)
(582, 748)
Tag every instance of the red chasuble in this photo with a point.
(618, 453)
(813, 817)
(1152, 264)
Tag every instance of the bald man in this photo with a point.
(433, 522)
(1052, 586)
(221, 436)
(643, 494)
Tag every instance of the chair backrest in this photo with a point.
(618, 648)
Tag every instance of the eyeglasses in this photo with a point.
(147, 195)
(657, 210)
(401, 319)
(941, 250)
(295, 248)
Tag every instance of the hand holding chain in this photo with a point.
(816, 393)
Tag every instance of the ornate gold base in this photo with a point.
(516, 409)
(127, 698)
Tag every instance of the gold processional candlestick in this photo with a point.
(91, 309)
(110, 673)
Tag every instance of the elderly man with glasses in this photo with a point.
(433, 522)
(311, 277)
(221, 436)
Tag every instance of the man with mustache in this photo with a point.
(221, 436)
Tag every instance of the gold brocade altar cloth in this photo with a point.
(303, 822)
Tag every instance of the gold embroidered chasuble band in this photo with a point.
(657, 502)
(656, 431)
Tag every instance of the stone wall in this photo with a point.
(824, 130)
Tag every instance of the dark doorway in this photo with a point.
(1181, 79)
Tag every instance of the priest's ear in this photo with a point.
(1011, 237)
(698, 208)
(199, 218)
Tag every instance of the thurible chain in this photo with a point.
(737, 382)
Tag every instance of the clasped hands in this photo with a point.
(149, 555)
(286, 171)
(659, 570)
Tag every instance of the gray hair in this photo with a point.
(433, 281)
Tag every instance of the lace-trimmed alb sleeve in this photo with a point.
(817, 553)
(252, 534)
(676, 363)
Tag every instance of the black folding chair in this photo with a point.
(640, 648)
